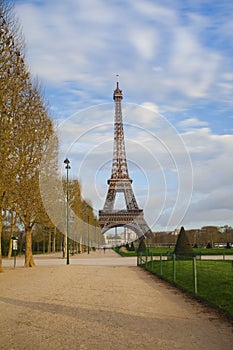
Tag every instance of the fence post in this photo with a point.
(161, 265)
(174, 267)
(139, 262)
(195, 275)
(152, 262)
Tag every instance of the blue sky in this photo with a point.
(175, 62)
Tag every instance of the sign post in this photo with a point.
(14, 248)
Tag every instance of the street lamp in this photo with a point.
(88, 238)
(95, 235)
(67, 162)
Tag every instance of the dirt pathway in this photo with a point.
(102, 308)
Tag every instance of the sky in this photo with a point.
(175, 65)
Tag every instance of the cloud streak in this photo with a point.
(87, 42)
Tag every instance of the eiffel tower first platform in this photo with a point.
(131, 217)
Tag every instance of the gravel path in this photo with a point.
(102, 307)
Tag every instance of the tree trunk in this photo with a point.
(1, 268)
(43, 243)
(29, 262)
(49, 241)
(10, 242)
(10, 248)
(54, 239)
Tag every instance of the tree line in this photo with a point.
(25, 130)
(46, 237)
(207, 236)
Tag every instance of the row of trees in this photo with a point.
(25, 133)
(207, 235)
(46, 237)
(25, 128)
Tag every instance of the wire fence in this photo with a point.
(206, 279)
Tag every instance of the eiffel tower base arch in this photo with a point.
(132, 219)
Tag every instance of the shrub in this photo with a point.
(141, 246)
(183, 248)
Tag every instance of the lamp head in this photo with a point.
(67, 162)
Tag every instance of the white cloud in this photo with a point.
(153, 11)
(88, 42)
(151, 106)
(145, 42)
(213, 172)
(192, 122)
(192, 68)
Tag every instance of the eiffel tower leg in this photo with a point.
(110, 199)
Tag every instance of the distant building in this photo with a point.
(175, 232)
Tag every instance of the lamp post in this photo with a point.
(95, 235)
(67, 162)
(88, 238)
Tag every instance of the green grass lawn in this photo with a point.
(125, 252)
(166, 250)
(198, 251)
(214, 279)
(213, 251)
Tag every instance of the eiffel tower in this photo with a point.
(131, 217)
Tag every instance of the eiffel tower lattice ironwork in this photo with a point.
(131, 217)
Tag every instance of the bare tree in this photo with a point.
(25, 129)
(10, 86)
(34, 132)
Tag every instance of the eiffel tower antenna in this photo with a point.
(120, 181)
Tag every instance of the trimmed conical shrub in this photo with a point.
(142, 246)
(183, 248)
